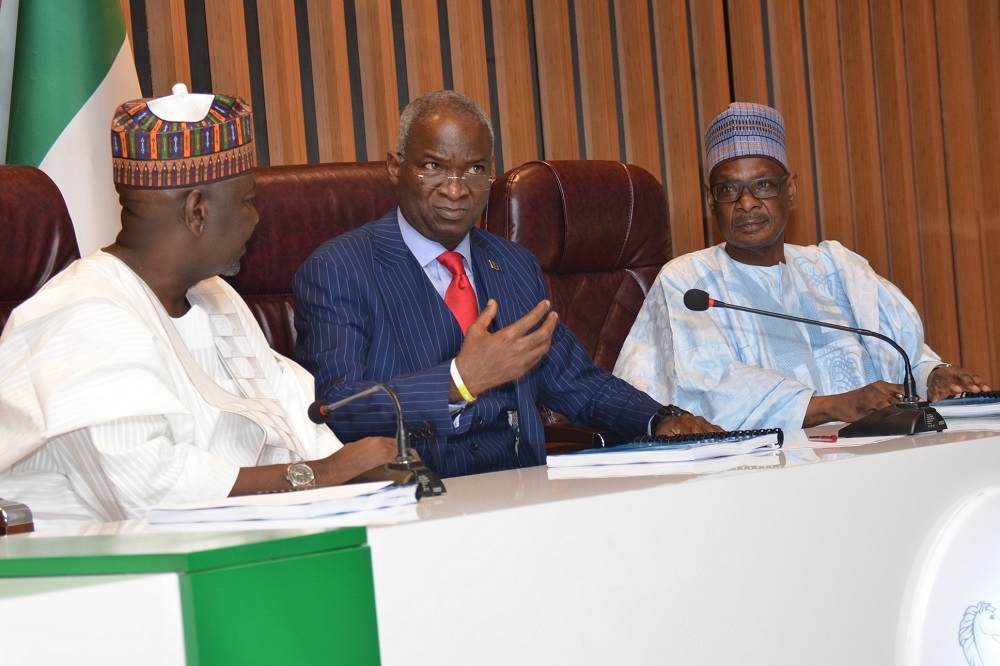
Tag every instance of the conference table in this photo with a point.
(877, 553)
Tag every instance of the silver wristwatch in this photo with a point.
(300, 475)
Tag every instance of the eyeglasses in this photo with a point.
(767, 187)
(433, 180)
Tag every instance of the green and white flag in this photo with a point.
(72, 67)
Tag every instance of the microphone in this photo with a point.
(428, 482)
(912, 415)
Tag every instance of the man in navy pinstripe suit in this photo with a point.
(370, 307)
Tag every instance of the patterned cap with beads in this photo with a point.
(181, 140)
(746, 129)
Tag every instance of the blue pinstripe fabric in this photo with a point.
(366, 313)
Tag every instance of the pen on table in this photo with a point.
(822, 438)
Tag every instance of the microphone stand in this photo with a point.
(908, 417)
(428, 482)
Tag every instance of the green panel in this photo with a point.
(313, 609)
(163, 552)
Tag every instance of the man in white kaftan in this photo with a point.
(745, 371)
(109, 406)
(748, 371)
(138, 377)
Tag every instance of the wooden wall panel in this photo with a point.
(862, 133)
(832, 182)
(282, 83)
(515, 92)
(890, 106)
(683, 178)
(555, 80)
(331, 81)
(930, 177)
(422, 38)
(712, 85)
(894, 130)
(380, 99)
(789, 84)
(962, 161)
(984, 30)
(225, 23)
(597, 80)
(168, 45)
(468, 53)
(746, 51)
(638, 98)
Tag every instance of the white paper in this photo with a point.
(296, 505)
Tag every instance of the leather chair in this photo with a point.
(38, 242)
(300, 207)
(38, 237)
(601, 233)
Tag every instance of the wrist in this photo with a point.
(459, 383)
(664, 413)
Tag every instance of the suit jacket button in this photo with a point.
(474, 446)
(479, 420)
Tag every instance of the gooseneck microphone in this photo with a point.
(428, 482)
(910, 416)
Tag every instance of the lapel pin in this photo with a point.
(494, 265)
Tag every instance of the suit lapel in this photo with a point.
(419, 318)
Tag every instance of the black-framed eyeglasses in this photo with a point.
(730, 191)
(433, 180)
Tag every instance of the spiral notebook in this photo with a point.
(674, 448)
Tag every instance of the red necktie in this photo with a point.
(460, 296)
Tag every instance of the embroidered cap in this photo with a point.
(746, 129)
(181, 140)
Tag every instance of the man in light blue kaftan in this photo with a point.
(742, 370)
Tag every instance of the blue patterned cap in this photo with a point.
(746, 129)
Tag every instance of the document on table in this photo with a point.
(761, 460)
(295, 505)
(677, 448)
(972, 405)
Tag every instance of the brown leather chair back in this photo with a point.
(601, 232)
(38, 238)
(300, 207)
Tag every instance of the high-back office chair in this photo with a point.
(601, 232)
(301, 207)
(38, 239)
(37, 242)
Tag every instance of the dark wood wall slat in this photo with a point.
(962, 160)
(790, 88)
(422, 37)
(890, 107)
(332, 82)
(515, 83)
(930, 178)
(894, 132)
(863, 133)
(597, 80)
(832, 180)
(555, 80)
(681, 130)
(638, 100)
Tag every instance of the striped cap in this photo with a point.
(172, 150)
(746, 130)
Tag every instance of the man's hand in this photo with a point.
(950, 380)
(685, 424)
(493, 359)
(353, 459)
(851, 406)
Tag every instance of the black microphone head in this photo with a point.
(316, 414)
(697, 300)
